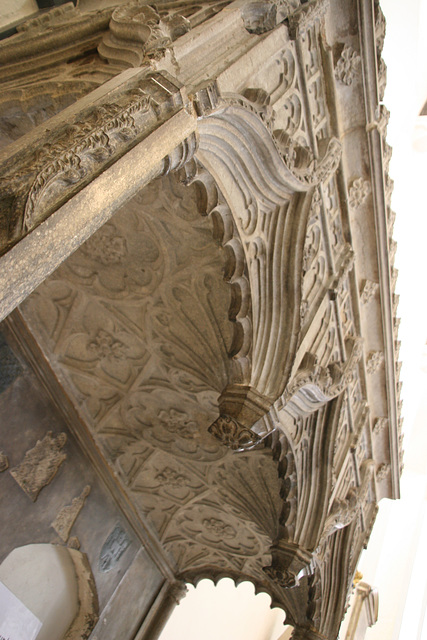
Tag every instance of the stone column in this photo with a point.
(170, 595)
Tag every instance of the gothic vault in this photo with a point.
(199, 342)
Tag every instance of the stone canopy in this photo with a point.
(197, 288)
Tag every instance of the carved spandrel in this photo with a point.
(40, 464)
(67, 516)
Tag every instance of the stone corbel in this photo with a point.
(137, 35)
(289, 563)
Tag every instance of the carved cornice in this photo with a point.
(57, 36)
(59, 165)
(370, 37)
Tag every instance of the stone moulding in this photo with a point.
(166, 138)
(274, 193)
(73, 154)
(369, 54)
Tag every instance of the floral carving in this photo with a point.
(358, 192)
(218, 527)
(301, 161)
(374, 361)
(379, 425)
(305, 16)
(368, 291)
(347, 66)
(106, 346)
(232, 434)
(74, 153)
(106, 247)
(172, 478)
(178, 422)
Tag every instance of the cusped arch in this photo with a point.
(268, 184)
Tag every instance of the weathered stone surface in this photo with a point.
(246, 296)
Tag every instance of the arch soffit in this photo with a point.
(268, 185)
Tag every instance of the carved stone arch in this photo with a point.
(268, 185)
(285, 599)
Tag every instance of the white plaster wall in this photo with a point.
(42, 577)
